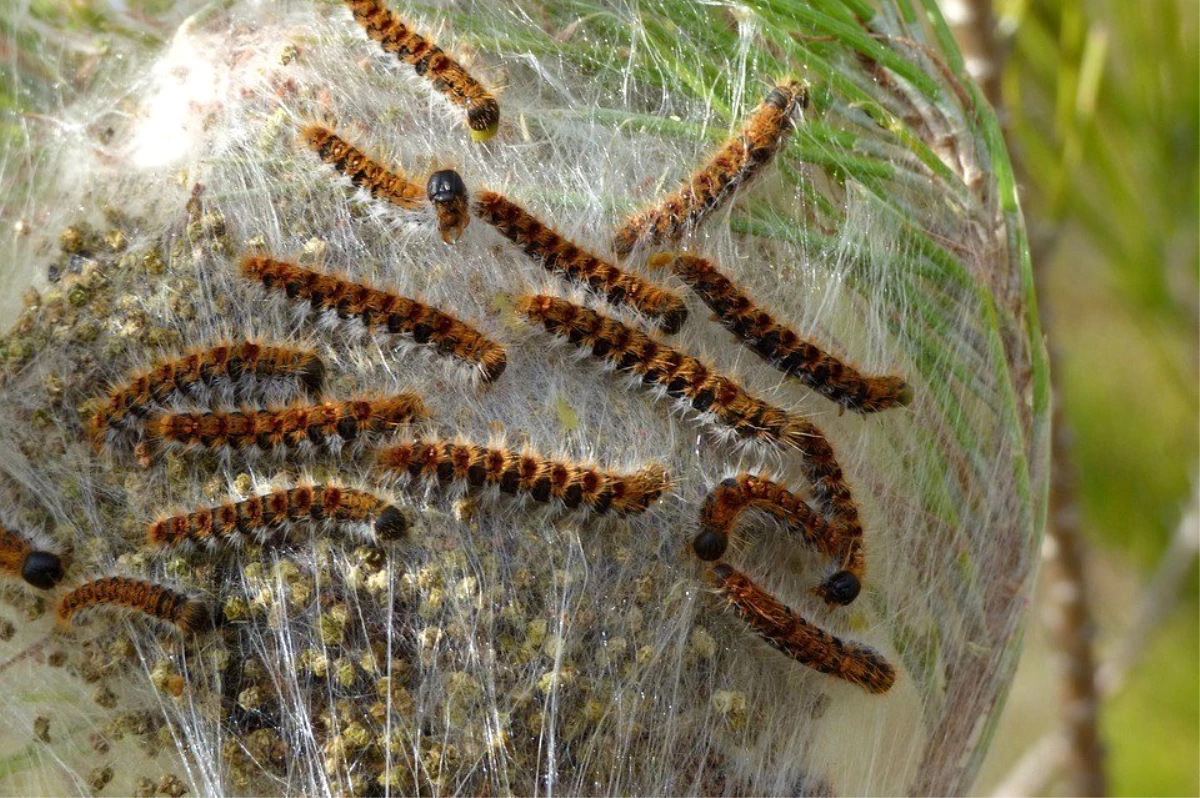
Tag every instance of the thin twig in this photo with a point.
(1035, 769)
(1072, 626)
(1070, 620)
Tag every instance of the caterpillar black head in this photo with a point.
(42, 569)
(448, 193)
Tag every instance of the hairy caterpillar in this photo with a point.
(527, 474)
(19, 559)
(380, 182)
(684, 377)
(734, 163)
(227, 367)
(797, 638)
(565, 257)
(448, 193)
(328, 425)
(782, 347)
(430, 61)
(726, 502)
(262, 517)
(381, 311)
(189, 616)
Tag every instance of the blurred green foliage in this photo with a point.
(1152, 724)
(1102, 104)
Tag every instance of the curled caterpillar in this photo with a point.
(430, 61)
(726, 502)
(778, 625)
(448, 193)
(329, 425)
(190, 616)
(735, 163)
(382, 312)
(528, 474)
(686, 379)
(262, 518)
(380, 182)
(244, 367)
(782, 347)
(560, 255)
(19, 559)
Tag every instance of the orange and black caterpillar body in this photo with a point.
(363, 172)
(526, 474)
(737, 160)
(225, 368)
(726, 502)
(430, 61)
(685, 378)
(262, 518)
(782, 347)
(188, 615)
(797, 638)
(19, 559)
(382, 311)
(329, 425)
(557, 254)
(448, 193)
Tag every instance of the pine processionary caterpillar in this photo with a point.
(735, 163)
(381, 311)
(298, 426)
(558, 254)
(224, 366)
(363, 172)
(448, 193)
(684, 377)
(189, 616)
(19, 559)
(524, 473)
(726, 502)
(430, 61)
(797, 638)
(262, 517)
(782, 347)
